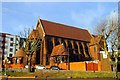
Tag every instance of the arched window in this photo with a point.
(70, 47)
(49, 49)
(76, 48)
(76, 55)
(63, 42)
(49, 45)
(56, 42)
(81, 49)
(71, 55)
(86, 49)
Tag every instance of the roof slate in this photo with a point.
(20, 53)
(34, 34)
(65, 31)
(59, 50)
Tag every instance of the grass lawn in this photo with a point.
(64, 74)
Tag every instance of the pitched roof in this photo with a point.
(59, 50)
(65, 31)
(96, 39)
(34, 34)
(20, 53)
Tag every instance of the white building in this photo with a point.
(9, 44)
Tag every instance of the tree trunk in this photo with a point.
(105, 47)
(29, 63)
(29, 66)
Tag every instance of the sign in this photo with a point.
(104, 54)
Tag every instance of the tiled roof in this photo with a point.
(59, 50)
(20, 53)
(34, 34)
(96, 40)
(65, 31)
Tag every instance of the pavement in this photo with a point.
(16, 78)
(47, 78)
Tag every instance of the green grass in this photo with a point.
(18, 74)
(86, 74)
(64, 74)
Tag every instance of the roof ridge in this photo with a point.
(66, 31)
(63, 24)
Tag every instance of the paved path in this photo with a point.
(16, 78)
(48, 78)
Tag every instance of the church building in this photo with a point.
(78, 42)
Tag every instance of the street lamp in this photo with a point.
(5, 63)
(68, 60)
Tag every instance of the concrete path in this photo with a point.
(46, 78)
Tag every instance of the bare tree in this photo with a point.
(108, 29)
(32, 44)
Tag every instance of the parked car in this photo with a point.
(27, 66)
(40, 67)
(55, 68)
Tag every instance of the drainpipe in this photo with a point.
(68, 60)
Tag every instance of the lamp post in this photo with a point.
(5, 63)
(68, 60)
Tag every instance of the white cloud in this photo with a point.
(20, 28)
(89, 18)
(113, 15)
(84, 20)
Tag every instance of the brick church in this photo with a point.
(79, 43)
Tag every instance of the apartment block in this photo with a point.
(9, 44)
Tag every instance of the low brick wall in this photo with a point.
(78, 66)
(83, 66)
(14, 65)
(74, 66)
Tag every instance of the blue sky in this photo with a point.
(18, 15)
